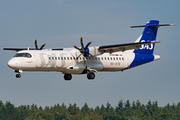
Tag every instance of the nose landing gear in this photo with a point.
(18, 75)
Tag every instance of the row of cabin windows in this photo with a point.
(82, 58)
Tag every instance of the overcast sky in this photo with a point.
(60, 23)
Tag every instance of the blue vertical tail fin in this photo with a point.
(145, 53)
(149, 34)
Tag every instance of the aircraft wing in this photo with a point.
(15, 49)
(19, 49)
(123, 47)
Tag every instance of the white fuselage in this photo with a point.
(67, 62)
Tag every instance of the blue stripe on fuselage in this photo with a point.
(141, 59)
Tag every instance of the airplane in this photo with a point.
(89, 60)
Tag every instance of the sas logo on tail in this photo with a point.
(150, 47)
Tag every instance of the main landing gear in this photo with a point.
(90, 76)
(67, 76)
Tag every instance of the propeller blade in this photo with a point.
(88, 45)
(84, 63)
(76, 47)
(79, 56)
(84, 58)
(36, 44)
(91, 55)
(42, 46)
(82, 43)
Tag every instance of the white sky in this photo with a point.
(60, 23)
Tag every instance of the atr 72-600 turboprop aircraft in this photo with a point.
(88, 60)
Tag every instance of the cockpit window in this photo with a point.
(23, 55)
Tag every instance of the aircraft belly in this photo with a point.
(95, 66)
(79, 67)
(113, 65)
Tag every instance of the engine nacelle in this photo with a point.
(94, 51)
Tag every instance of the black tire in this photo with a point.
(67, 76)
(88, 76)
(18, 75)
(91, 76)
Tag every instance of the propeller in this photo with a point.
(37, 46)
(84, 50)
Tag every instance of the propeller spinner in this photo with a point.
(37, 46)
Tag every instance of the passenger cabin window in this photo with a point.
(55, 58)
(122, 58)
(23, 55)
(61, 58)
(58, 58)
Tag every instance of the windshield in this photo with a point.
(23, 55)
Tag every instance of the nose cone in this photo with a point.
(12, 63)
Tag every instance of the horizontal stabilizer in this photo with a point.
(153, 25)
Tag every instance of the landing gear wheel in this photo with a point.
(67, 76)
(91, 76)
(18, 75)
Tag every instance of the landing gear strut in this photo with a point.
(67, 76)
(90, 76)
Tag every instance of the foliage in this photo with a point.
(123, 111)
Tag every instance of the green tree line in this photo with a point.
(123, 111)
